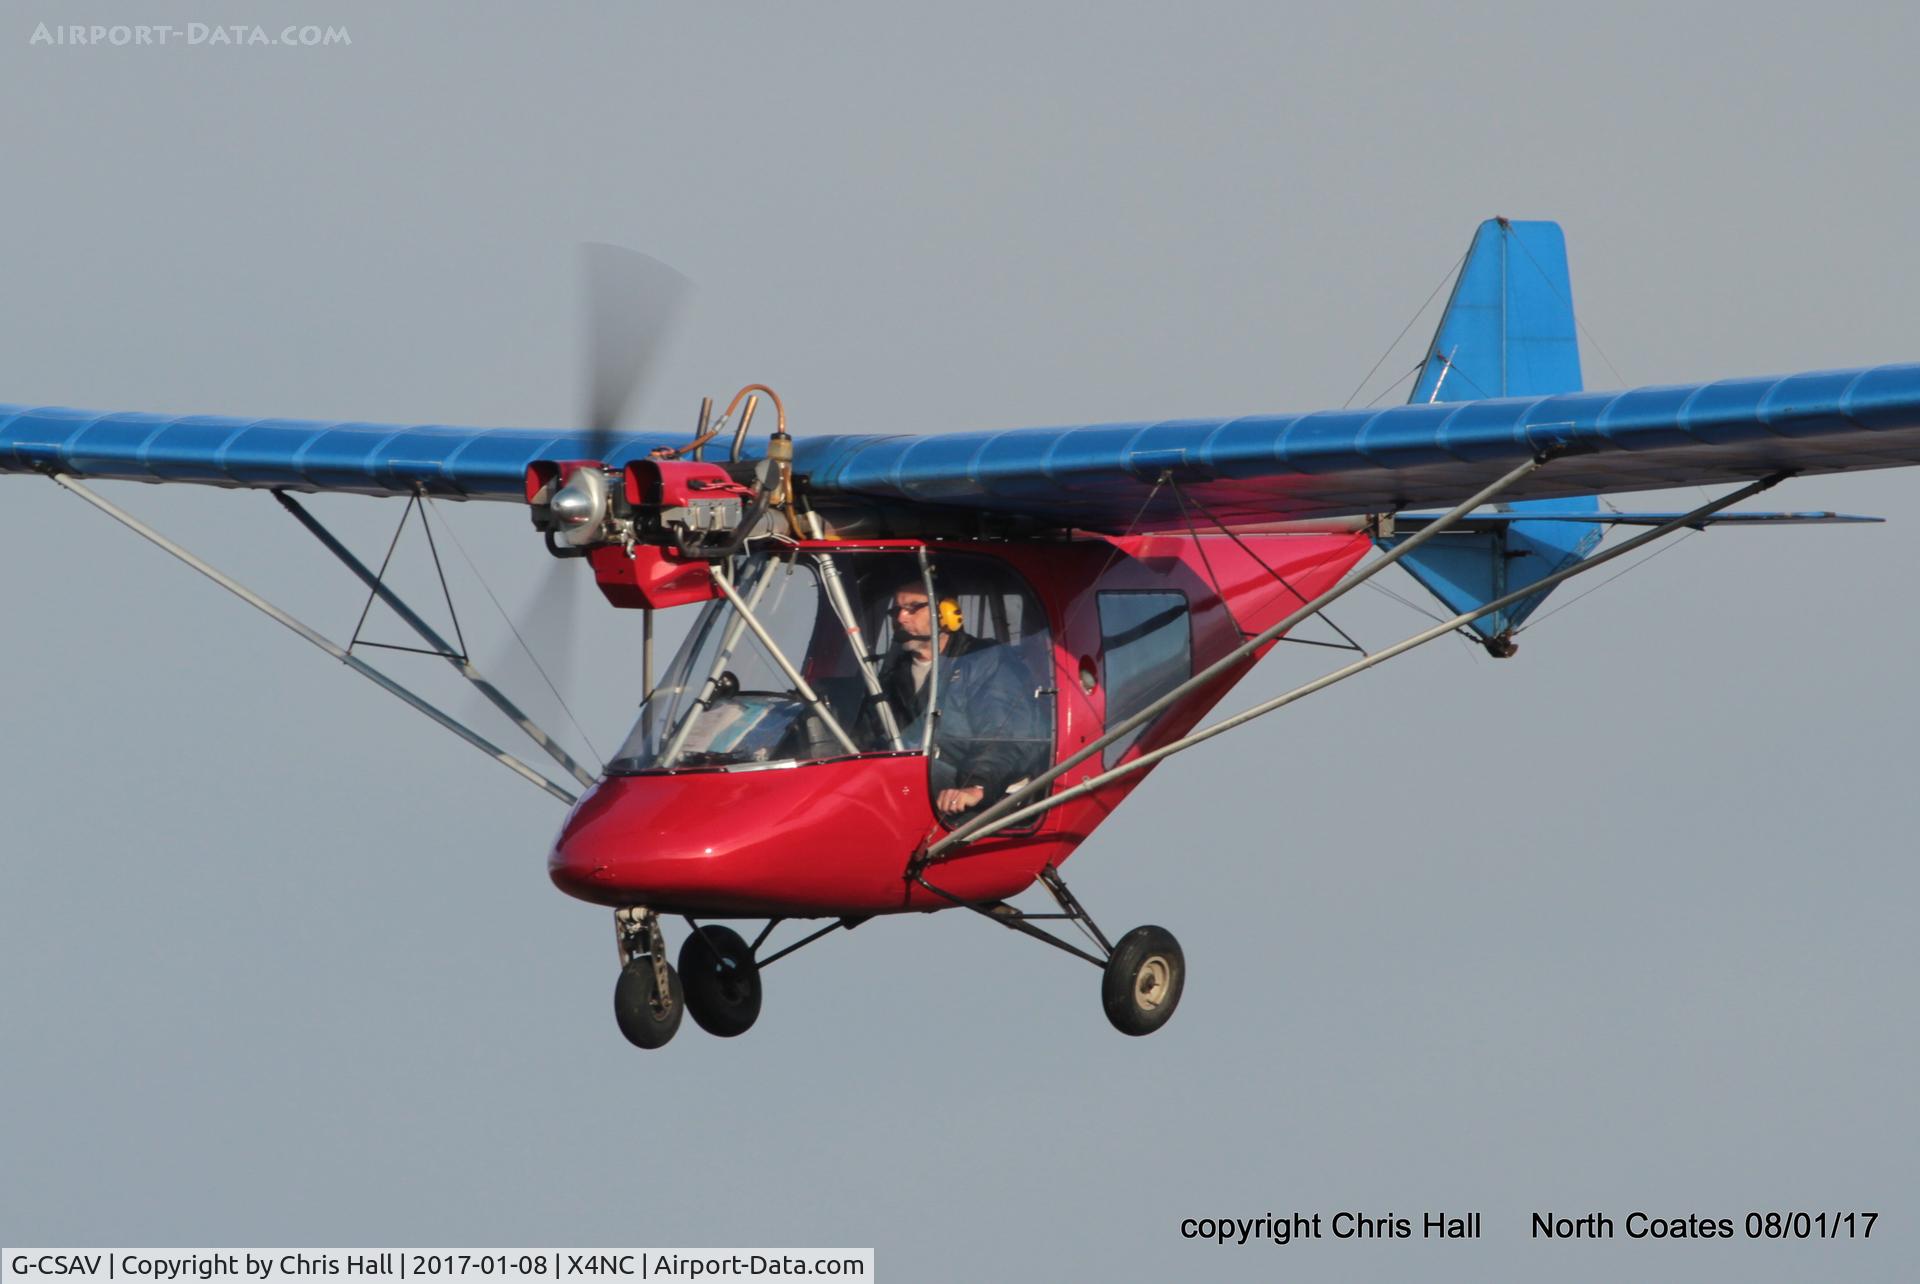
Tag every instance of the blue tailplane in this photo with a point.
(1508, 331)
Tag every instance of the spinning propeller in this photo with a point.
(630, 305)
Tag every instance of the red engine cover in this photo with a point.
(676, 483)
(649, 577)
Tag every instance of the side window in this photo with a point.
(1148, 650)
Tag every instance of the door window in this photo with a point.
(1149, 650)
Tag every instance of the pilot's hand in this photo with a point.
(953, 801)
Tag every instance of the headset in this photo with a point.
(951, 618)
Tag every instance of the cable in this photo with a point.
(535, 660)
(1403, 330)
(1388, 390)
(1610, 579)
(1261, 562)
(1219, 591)
(1547, 277)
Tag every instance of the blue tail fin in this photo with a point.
(1508, 331)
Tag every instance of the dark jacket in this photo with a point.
(992, 727)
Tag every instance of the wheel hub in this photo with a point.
(1150, 984)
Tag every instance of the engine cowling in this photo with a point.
(644, 536)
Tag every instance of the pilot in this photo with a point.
(991, 731)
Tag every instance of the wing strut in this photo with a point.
(353, 662)
(989, 820)
(433, 639)
(985, 827)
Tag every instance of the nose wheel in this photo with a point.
(647, 999)
(718, 979)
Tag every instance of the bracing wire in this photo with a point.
(1546, 277)
(1388, 391)
(1618, 378)
(1464, 633)
(385, 562)
(1112, 556)
(527, 650)
(1219, 591)
(1403, 332)
(1261, 562)
(1632, 566)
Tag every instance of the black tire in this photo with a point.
(645, 1023)
(722, 981)
(1143, 980)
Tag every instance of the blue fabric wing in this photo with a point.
(1271, 468)
(1248, 471)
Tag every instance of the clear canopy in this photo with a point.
(831, 657)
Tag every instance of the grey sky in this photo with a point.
(1622, 923)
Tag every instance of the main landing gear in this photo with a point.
(718, 980)
(722, 981)
(1141, 983)
(1140, 978)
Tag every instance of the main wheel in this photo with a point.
(1143, 980)
(646, 1020)
(722, 981)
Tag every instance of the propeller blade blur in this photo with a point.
(632, 303)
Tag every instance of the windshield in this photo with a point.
(816, 655)
(806, 690)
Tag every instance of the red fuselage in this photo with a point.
(835, 837)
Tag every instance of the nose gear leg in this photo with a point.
(638, 931)
(647, 1000)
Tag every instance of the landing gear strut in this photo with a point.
(1140, 978)
(721, 974)
(647, 1000)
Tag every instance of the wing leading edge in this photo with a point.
(1108, 477)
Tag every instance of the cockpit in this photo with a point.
(811, 655)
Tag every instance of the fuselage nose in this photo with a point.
(825, 836)
(583, 858)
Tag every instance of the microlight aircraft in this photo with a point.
(923, 669)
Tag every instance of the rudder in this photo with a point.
(1508, 331)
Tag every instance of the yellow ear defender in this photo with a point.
(951, 620)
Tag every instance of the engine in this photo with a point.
(650, 530)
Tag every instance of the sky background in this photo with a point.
(1623, 923)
